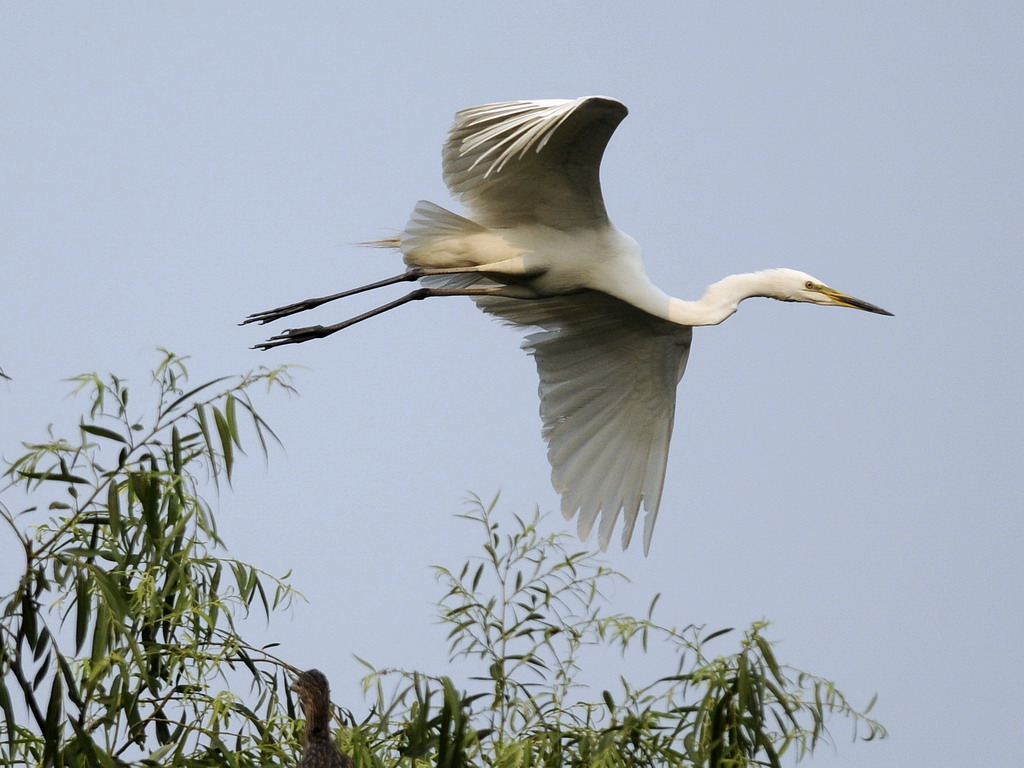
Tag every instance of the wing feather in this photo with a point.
(608, 377)
(527, 162)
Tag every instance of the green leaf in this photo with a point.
(192, 393)
(608, 700)
(100, 634)
(52, 731)
(114, 510)
(229, 412)
(42, 643)
(8, 709)
(768, 655)
(146, 488)
(477, 576)
(176, 463)
(61, 477)
(83, 611)
(157, 756)
(717, 633)
(109, 434)
(204, 427)
(42, 671)
(28, 627)
(111, 591)
(224, 431)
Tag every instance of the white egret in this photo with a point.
(538, 251)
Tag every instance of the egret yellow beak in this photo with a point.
(840, 299)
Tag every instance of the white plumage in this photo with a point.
(537, 250)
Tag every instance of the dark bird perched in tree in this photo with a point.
(319, 749)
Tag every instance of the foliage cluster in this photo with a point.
(119, 642)
(526, 616)
(118, 636)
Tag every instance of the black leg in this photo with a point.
(299, 335)
(270, 315)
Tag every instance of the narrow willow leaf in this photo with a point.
(764, 742)
(109, 434)
(192, 393)
(54, 717)
(100, 634)
(204, 427)
(114, 510)
(172, 517)
(40, 675)
(176, 462)
(262, 428)
(650, 608)
(60, 477)
(242, 580)
(263, 598)
(247, 661)
(224, 431)
(42, 643)
(149, 485)
(163, 731)
(783, 700)
(717, 633)
(157, 756)
(768, 655)
(8, 710)
(132, 714)
(112, 593)
(28, 628)
(229, 412)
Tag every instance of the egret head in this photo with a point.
(793, 285)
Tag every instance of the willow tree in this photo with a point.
(120, 639)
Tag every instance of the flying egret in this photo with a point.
(538, 251)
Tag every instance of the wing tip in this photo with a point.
(604, 102)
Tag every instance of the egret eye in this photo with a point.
(809, 285)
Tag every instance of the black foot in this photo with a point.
(296, 336)
(270, 315)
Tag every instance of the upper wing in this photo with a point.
(523, 162)
(608, 377)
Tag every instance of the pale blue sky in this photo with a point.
(169, 168)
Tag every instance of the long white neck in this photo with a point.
(719, 301)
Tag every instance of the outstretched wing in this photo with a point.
(524, 162)
(608, 377)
